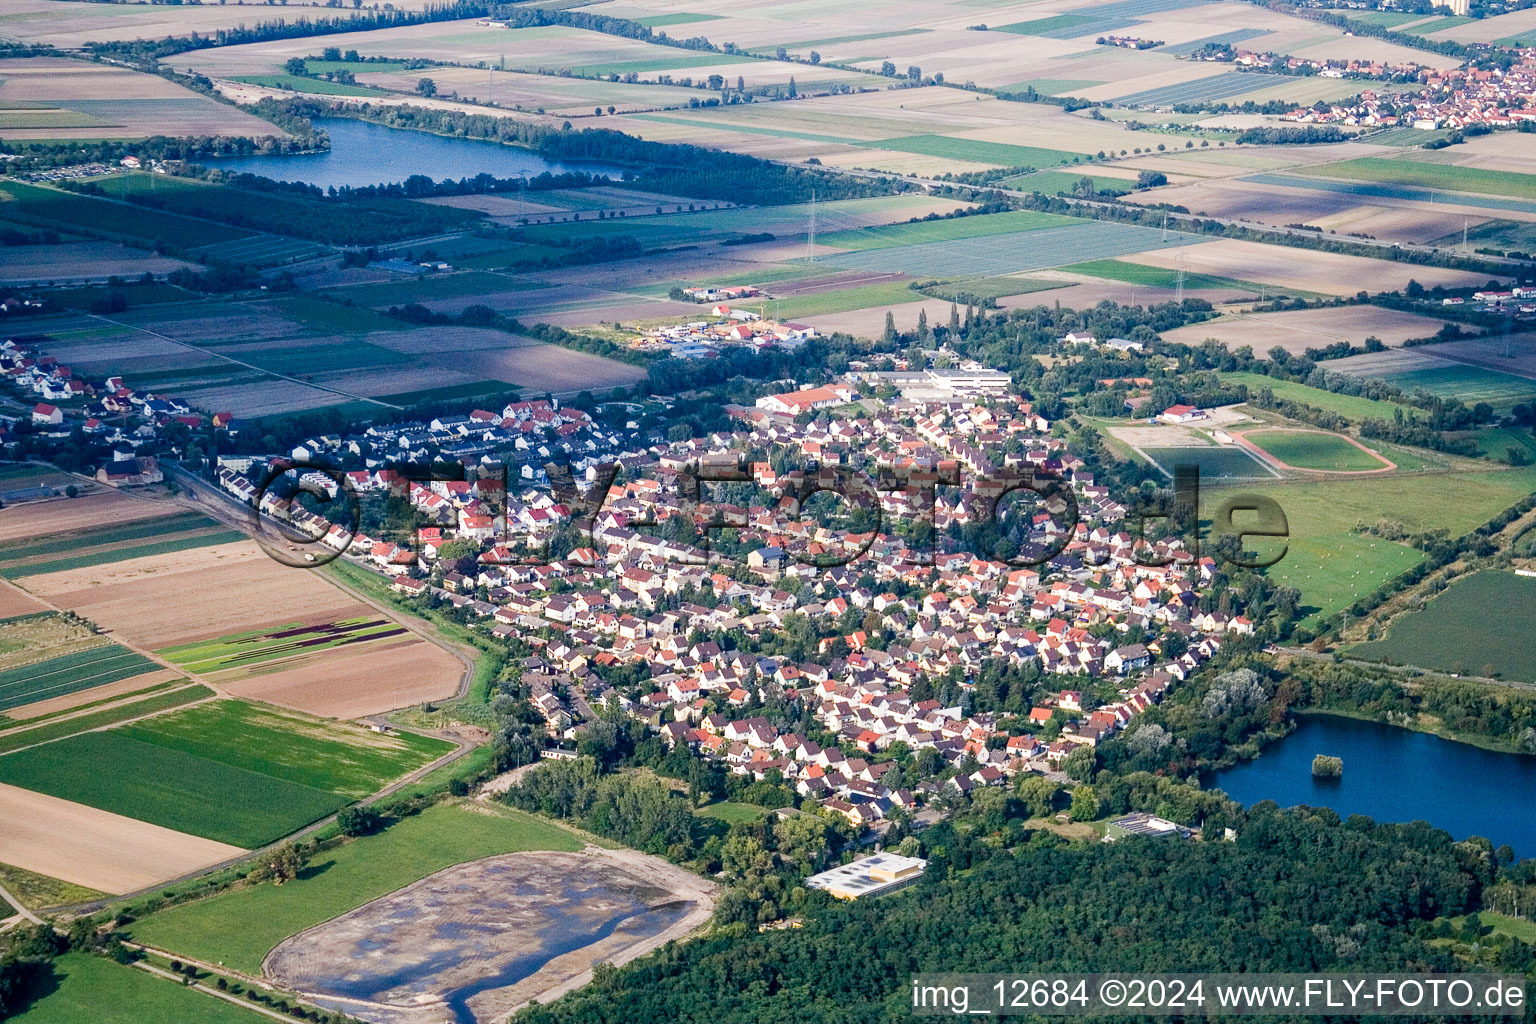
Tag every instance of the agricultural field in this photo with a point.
(1154, 277)
(1466, 370)
(54, 98)
(80, 262)
(45, 656)
(38, 892)
(187, 598)
(1332, 565)
(1297, 330)
(859, 239)
(102, 547)
(47, 206)
(1403, 171)
(1313, 449)
(1467, 628)
(69, 724)
(991, 255)
(239, 927)
(1216, 462)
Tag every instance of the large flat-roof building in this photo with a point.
(869, 876)
(1145, 825)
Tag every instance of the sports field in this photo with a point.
(95, 989)
(1474, 625)
(1308, 449)
(240, 927)
(1216, 462)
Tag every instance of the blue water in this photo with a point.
(1393, 774)
(362, 154)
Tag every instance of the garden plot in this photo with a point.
(1301, 329)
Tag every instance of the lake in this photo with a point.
(362, 154)
(1395, 774)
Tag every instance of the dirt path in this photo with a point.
(21, 910)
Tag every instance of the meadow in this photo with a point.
(1307, 449)
(1332, 565)
(1353, 407)
(37, 891)
(991, 255)
(1469, 627)
(83, 987)
(239, 927)
(1154, 277)
(169, 788)
(1412, 172)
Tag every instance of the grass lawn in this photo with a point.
(1412, 172)
(38, 891)
(1155, 277)
(1000, 154)
(1331, 565)
(1308, 450)
(177, 790)
(1350, 406)
(238, 928)
(1466, 628)
(340, 758)
(730, 812)
(887, 235)
(92, 988)
(15, 739)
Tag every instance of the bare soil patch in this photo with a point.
(1298, 330)
(104, 508)
(93, 848)
(355, 684)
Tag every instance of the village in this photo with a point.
(1454, 98)
(887, 647)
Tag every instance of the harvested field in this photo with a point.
(55, 98)
(357, 683)
(14, 601)
(1301, 329)
(79, 262)
(106, 851)
(1304, 269)
(105, 507)
(420, 954)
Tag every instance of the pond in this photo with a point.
(1395, 774)
(362, 154)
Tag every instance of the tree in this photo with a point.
(358, 821)
(295, 66)
(890, 327)
(815, 57)
(1151, 179)
(1038, 794)
(426, 87)
(922, 325)
(280, 865)
(1079, 763)
(1085, 804)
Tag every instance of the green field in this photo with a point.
(1332, 565)
(887, 235)
(240, 650)
(335, 317)
(1413, 172)
(1309, 450)
(1216, 462)
(69, 673)
(999, 154)
(1156, 277)
(345, 759)
(434, 286)
(315, 86)
(238, 928)
(93, 989)
(106, 556)
(680, 62)
(1494, 234)
(15, 739)
(731, 812)
(1472, 625)
(1351, 406)
(1039, 26)
(888, 293)
(680, 18)
(373, 67)
(56, 207)
(168, 787)
(1057, 182)
(990, 287)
